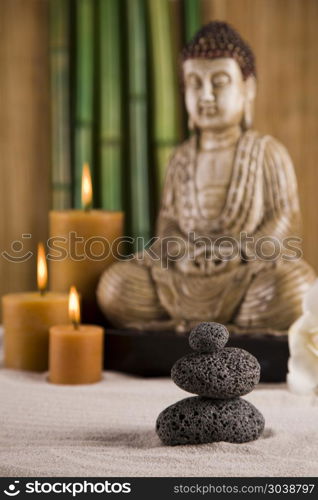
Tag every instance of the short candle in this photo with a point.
(76, 351)
(27, 318)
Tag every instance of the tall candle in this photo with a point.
(76, 351)
(81, 242)
(27, 318)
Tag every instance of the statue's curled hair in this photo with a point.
(218, 39)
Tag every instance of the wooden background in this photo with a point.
(284, 36)
(24, 136)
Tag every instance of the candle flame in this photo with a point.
(74, 307)
(41, 268)
(87, 191)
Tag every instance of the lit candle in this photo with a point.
(76, 351)
(27, 318)
(81, 243)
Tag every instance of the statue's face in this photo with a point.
(214, 93)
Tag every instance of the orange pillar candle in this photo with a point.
(27, 318)
(81, 247)
(76, 351)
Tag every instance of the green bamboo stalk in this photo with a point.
(177, 14)
(110, 134)
(164, 74)
(140, 213)
(60, 104)
(192, 17)
(84, 81)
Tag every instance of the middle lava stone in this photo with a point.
(227, 373)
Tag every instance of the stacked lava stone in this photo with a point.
(219, 376)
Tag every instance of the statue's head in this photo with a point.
(219, 78)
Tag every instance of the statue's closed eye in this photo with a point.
(194, 81)
(220, 79)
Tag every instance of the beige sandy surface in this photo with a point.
(107, 429)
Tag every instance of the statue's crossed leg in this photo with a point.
(271, 299)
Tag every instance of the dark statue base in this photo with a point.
(152, 353)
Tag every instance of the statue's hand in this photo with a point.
(205, 266)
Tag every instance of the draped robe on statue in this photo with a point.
(261, 202)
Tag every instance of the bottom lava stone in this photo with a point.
(198, 420)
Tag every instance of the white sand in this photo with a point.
(107, 429)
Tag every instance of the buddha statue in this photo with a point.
(229, 212)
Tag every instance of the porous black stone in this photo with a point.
(223, 374)
(207, 337)
(197, 420)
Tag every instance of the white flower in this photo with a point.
(303, 346)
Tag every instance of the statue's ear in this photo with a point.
(250, 93)
(250, 88)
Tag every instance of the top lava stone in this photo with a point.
(208, 337)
